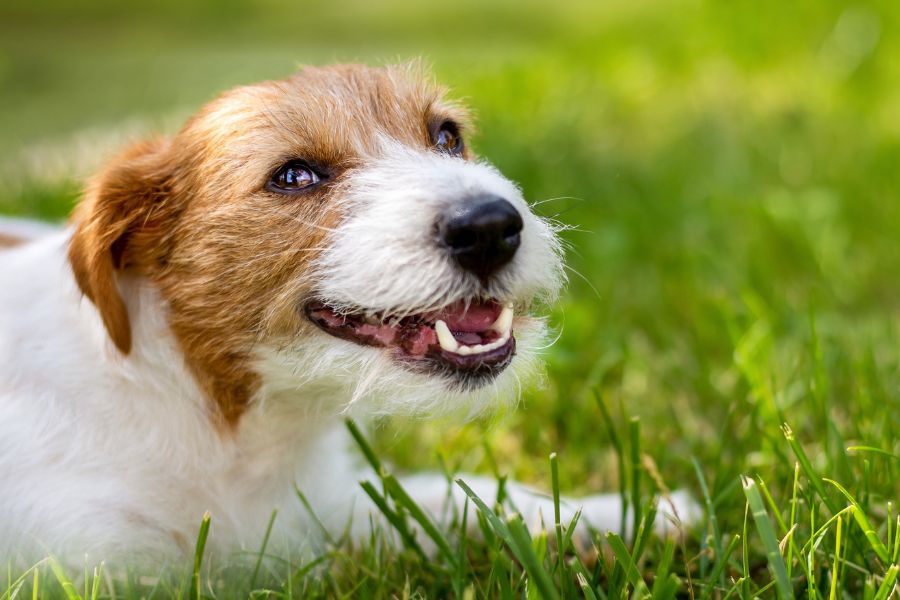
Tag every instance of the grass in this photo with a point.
(731, 326)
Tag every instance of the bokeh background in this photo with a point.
(731, 168)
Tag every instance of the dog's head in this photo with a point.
(330, 229)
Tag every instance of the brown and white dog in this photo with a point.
(301, 249)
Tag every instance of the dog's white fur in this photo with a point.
(118, 455)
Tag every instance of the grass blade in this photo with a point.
(634, 430)
(526, 555)
(887, 586)
(554, 486)
(498, 526)
(872, 450)
(710, 509)
(198, 556)
(793, 521)
(363, 444)
(402, 498)
(721, 562)
(814, 478)
(745, 556)
(896, 554)
(864, 524)
(63, 579)
(326, 534)
(662, 569)
(395, 519)
(262, 550)
(837, 561)
(767, 534)
(626, 560)
(585, 587)
(515, 535)
(95, 583)
(620, 457)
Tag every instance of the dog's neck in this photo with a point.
(272, 406)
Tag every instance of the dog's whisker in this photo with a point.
(551, 342)
(537, 203)
(578, 274)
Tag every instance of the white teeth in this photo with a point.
(481, 348)
(503, 326)
(445, 338)
(504, 322)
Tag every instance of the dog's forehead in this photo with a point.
(332, 114)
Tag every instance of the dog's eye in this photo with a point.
(293, 177)
(448, 140)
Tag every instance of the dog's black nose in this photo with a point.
(482, 234)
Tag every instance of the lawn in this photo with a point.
(730, 170)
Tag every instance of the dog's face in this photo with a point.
(331, 229)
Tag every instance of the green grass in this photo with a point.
(732, 171)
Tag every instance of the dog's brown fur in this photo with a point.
(8, 241)
(194, 217)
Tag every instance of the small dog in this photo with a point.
(300, 250)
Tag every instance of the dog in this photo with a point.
(191, 341)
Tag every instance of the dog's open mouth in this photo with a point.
(473, 337)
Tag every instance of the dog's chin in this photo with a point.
(467, 344)
(317, 368)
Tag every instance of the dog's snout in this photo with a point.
(483, 234)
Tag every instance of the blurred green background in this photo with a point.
(731, 168)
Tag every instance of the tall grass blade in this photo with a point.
(402, 498)
(835, 569)
(326, 533)
(660, 577)
(95, 582)
(364, 446)
(814, 478)
(620, 458)
(554, 486)
(628, 564)
(710, 509)
(515, 535)
(198, 556)
(395, 519)
(634, 431)
(887, 586)
(67, 586)
(585, 587)
(767, 534)
(526, 555)
(871, 535)
(262, 550)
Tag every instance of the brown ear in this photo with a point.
(124, 200)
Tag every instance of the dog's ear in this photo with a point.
(114, 228)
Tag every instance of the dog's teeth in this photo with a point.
(445, 338)
(496, 343)
(504, 322)
(449, 343)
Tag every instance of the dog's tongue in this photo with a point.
(476, 317)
